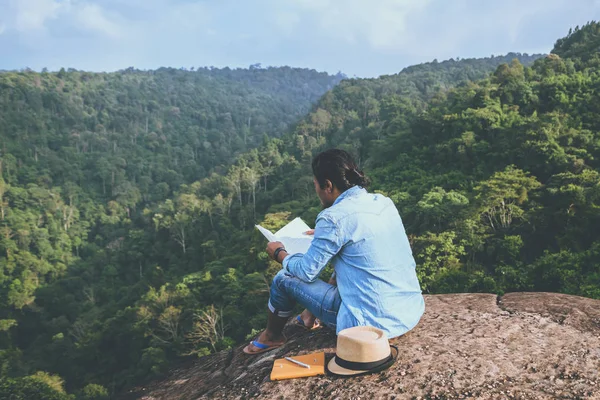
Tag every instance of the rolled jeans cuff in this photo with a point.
(280, 313)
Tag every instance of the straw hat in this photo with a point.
(362, 350)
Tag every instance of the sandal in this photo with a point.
(316, 326)
(262, 347)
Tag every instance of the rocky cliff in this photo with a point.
(521, 346)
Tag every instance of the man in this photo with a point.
(363, 236)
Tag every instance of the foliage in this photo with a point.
(93, 392)
(40, 386)
(128, 200)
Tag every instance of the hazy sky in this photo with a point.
(357, 37)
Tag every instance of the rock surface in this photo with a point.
(521, 346)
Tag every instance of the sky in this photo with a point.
(363, 38)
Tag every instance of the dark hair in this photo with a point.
(338, 166)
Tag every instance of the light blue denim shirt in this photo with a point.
(363, 236)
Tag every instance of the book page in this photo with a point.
(294, 245)
(292, 236)
(295, 229)
(267, 233)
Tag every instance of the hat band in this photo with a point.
(361, 366)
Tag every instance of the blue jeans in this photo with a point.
(320, 298)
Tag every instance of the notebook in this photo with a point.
(284, 369)
(292, 236)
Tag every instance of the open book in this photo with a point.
(292, 236)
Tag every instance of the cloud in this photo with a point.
(93, 18)
(39, 17)
(379, 23)
(31, 15)
(427, 29)
(358, 37)
(287, 21)
(434, 28)
(184, 17)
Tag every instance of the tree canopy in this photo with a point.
(128, 200)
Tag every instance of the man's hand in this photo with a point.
(310, 232)
(271, 247)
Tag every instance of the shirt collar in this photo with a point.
(353, 191)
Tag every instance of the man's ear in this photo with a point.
(328, 186)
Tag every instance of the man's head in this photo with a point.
(335, 172)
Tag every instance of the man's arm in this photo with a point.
(282, 254)
(272, 247)
(307, 267)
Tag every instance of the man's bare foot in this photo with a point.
(266, 339)
(310, 321)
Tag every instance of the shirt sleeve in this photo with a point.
(325, 245)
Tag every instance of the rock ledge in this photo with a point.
(521, 346)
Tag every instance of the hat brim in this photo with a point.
(334, 369)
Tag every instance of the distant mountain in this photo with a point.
(368, 103)
(187, 122)
(581, 43)
(432, 76)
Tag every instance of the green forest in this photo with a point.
(128, 200)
